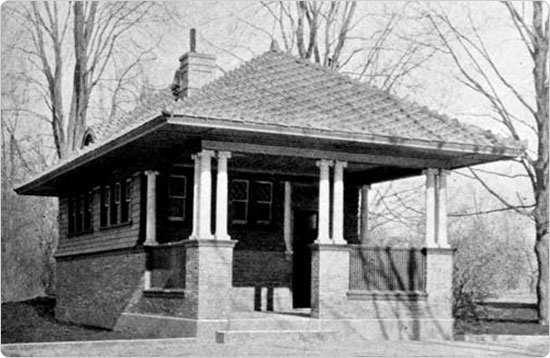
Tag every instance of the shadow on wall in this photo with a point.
(389, 286)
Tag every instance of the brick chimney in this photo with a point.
(195, 71)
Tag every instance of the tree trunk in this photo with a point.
(541, 249)
(540, 57)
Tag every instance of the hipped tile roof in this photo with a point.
(278, 89)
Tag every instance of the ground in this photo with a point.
(33, 321)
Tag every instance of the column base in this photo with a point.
(209, 277)
(439, 281)
(222, 237)
(329, 278)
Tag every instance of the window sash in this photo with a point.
(245, 202)
(177, 196)
(268, 203)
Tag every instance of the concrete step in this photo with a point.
(277, 336)
(272, 324)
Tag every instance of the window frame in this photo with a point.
(246, 201)
(78, 206)
(126, 201)
(183, 198)
(270, 202)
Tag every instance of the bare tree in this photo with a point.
(98, 30)
(479, 71)
(366, 44)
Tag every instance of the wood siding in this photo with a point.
(101, 239)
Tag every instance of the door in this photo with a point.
(305, 232)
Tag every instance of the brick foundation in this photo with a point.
(208, 281)
(329, 279)
(95, 289)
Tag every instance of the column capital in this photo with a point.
(444, 172)
(430, 171)
(224, 154)
(205, 153)
(365, 186)
(151, 173)
(340, 164)
(324, 163)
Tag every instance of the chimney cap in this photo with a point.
(192, 40)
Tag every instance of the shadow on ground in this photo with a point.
(33, 321)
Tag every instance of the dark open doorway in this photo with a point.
(305, 232)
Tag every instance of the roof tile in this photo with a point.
(279, 89)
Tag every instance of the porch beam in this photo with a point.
(312, 153)
(151, 209)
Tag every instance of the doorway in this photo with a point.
(305, 233)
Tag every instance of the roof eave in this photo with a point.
(36, 186)
(330, 134)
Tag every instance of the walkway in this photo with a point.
(192, 348)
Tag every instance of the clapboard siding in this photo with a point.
(101, 239)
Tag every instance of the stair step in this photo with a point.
(277, 336)
(252, 324)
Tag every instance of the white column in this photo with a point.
(430, 207)
(364, 214)
(338, 204)
(151, 213)
(147, 280)
(324, 201)
(442, 209)
(205, 195)
(196, 184)
(221, 197)
(287, 230)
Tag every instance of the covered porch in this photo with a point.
(307, 254)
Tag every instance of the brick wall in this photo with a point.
(95, 289)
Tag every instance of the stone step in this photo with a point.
(267, 324)
(277, 336)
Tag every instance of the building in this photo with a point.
(221, 199)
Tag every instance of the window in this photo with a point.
(238, 192)
(177, 194)
(80, 213)
(126, 205)
(88, 211)
(116, 203)
(105, 205)
(262, 195)
(72, 215)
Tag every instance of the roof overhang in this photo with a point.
(305, 141)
